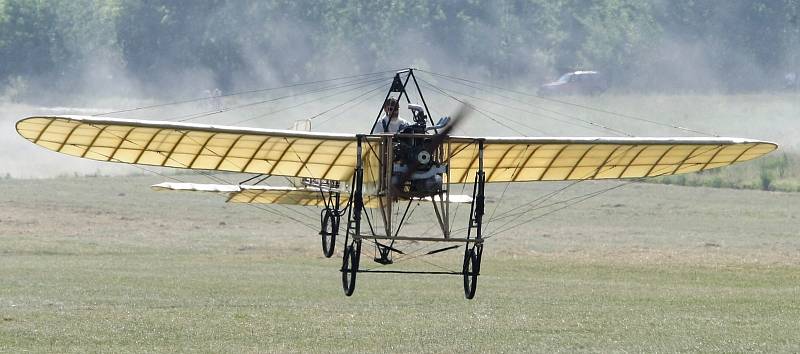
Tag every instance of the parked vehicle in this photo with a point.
(791, 81)
(575, 83)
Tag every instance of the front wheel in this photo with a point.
(349, 270)
(328, 231)
(470, 271)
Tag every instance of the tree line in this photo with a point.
(651, 45)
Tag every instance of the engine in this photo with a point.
(414, 153)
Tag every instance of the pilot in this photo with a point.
(391, 122)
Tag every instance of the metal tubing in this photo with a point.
(412, 238)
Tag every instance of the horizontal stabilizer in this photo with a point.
(196, 187)
(258, 194)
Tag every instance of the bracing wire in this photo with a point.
(364, 98)
(361, 95)
(362, 83)
(622, 115)
(482, 111)
(359, 85)
(239, 93)
(592, 125)
(505, 189)
(485, 114)
(566, 203)
(182, 181)
(578, 198)
(194, 116)
(476, 110)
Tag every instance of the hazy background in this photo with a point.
(718, 67)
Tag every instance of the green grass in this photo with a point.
(106, 265)
(245, 303)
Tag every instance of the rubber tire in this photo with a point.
(328, 239)
(349, 270)
(470, 271)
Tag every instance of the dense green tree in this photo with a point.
(30, 42)
(642, 45)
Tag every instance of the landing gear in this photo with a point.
(470, 271)
(329, 228)
(472, 256)
(410, 166)
(352, 254)
(352, 240)
(331, 215)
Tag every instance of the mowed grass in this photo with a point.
(105, 264)
(246, 303)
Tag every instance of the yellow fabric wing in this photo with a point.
(560, 159)
(333, 156)
(196, 146)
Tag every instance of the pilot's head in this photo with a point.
(391, 107)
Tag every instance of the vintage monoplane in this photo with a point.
(346, 174)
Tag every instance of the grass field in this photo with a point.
(105, 264)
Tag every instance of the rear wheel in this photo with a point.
(470, 271)
(328, 231)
